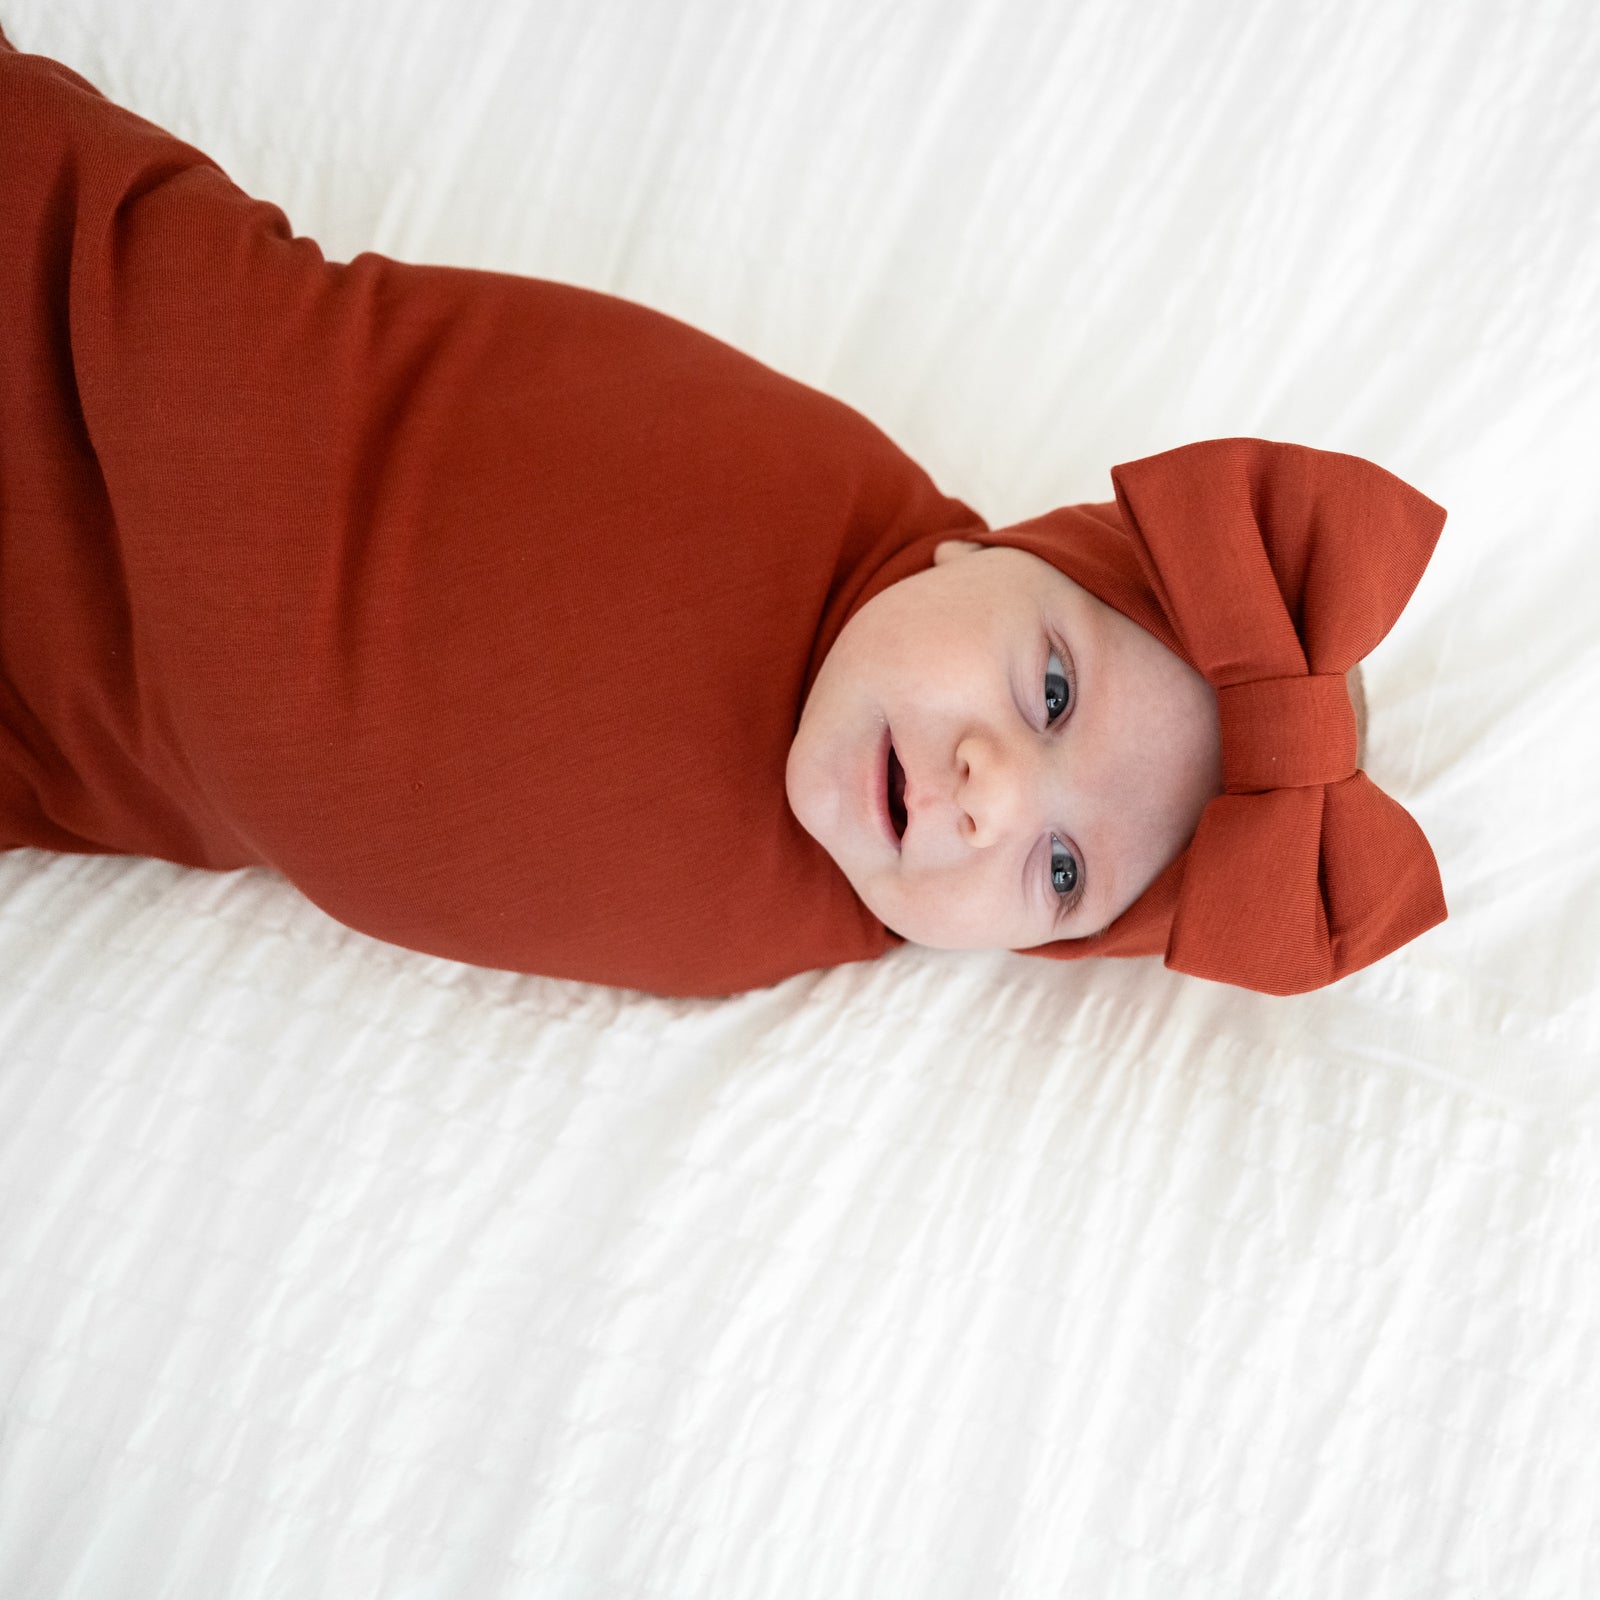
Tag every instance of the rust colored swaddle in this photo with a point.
(478, 606)
(481, 607)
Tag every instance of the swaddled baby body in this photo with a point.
(522, 625)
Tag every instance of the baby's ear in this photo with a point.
(953, 550)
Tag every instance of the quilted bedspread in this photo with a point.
(331, 1270)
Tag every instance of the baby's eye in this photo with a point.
(1056, 689)
(1063, 869)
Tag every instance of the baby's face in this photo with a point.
(1055, 756)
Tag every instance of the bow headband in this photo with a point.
(1272, 569)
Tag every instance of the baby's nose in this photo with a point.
(992, 790)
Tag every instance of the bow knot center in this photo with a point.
(1287, 733)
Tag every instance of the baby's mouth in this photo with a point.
(897, 795)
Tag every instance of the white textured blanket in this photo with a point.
(327, 1270)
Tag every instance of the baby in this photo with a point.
(522, 625)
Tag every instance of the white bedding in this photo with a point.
(327, 1269)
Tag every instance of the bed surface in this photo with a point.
(327, 1269)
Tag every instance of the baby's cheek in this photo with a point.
(877, 892)
(942, 914)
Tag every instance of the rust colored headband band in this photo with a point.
(1272, 569)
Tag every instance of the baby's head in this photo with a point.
(1138, 721)
(995, 757)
